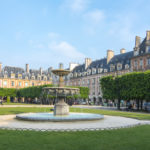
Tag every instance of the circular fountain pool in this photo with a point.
(51, 117)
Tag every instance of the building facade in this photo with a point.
(141, 59)
(14, 77)
(89, 73)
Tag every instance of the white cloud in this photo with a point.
(95, 16)
(76, 5)
(53, 35)
(66, 50)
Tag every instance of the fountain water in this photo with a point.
(61, 109)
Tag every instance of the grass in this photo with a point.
(136, 138)
(17, 110)
(136, 115)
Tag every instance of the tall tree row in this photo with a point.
(131, 86)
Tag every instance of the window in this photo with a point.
(88, 81)
(83, 82)
(126, 66)
(5, 83)
(141, 62)
(26, 83)
(20, 84)
(93, 81)
(148, 49)
(119, 66)
(19, 77)
(12, 76)
(33, 78)
(12, 83)
(135, 63)
(148, 61)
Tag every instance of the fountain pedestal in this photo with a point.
(61, 108)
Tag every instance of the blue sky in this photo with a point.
(46, 32)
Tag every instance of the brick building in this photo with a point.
(141, 59)
(89, 73)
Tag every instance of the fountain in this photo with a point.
(61, 109)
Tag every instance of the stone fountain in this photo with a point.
(61, 108)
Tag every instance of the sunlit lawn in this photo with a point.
(136, 138)
(16, 110)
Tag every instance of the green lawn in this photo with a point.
(16, 110)
(140, 116)
(136, 138)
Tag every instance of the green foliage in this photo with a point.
(84, 92)
(131, 86)
(8, 92)
(8, 99)
(32, 92)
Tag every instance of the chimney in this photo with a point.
(72, 66)
(0, 67)
(122, 51)
(137, 41)
(110, 55)
(147, 35)
(87, 62)
(27, 68)
(41, 71)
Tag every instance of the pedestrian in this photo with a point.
(1, 102)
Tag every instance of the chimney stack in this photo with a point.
(27, 68)
(87, 62)
(110, 55)
(41, 71)
(122, 51)
(147, 35)
(137, 41)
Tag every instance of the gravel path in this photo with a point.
(109, 122)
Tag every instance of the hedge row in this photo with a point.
(131, 86)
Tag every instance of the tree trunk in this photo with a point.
(141, 104)
(138, 104)
(118, 106)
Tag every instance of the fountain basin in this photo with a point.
(51, 117)
(61, 91)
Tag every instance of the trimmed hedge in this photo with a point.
(131, 86)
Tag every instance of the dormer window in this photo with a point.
(126, 66)
(75, 74)
(105, 70)
(88, 71)
(26, 77)
(71, 74)
(136, 53)
(119, 66)
(5, 75)
(93, 70)
(39, 78)
(100, 70)
(112, 68)
(33, 77)
(12, 75)
(19, 76)
(79, 74)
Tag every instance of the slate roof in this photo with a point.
(16, 70)
(102, 63)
